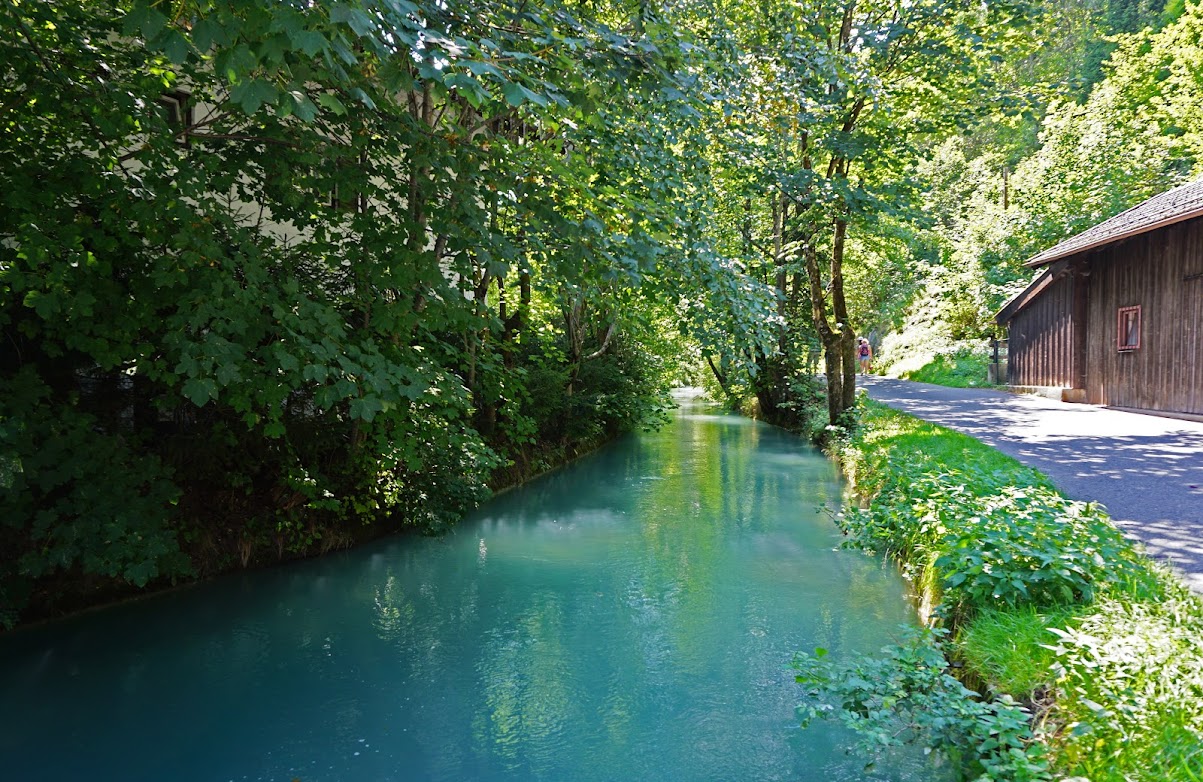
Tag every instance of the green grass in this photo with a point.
(887, 436)
(962, 369)
(1113, 672)
(1008, 649)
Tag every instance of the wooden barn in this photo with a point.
(1116, 316)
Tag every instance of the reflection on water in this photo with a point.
(627, 618)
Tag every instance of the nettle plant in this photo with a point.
(991, 545)
(1031, 546)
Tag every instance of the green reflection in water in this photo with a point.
(627, 618)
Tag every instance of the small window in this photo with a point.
(177, 110)
(345, 198)
(1129, 328)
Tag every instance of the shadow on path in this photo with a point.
(1147, 470)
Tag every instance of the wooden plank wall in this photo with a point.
(1152, 271)
(1041, 339)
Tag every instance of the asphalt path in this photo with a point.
(1147, 470)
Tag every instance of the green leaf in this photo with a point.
(482, 68)
(331, 102)
(311, 42)
(199, 390)
(251, 95)
(535, 97)
(467, 86)
(135, 19)
(176, 47)
(364, 409)
(515, 94)
(228, 373)
(206, 34)
(303, 107)
(354, 18)
(363, 97)
(144, 19)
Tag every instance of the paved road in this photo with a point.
(1146, 469)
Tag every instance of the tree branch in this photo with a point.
(605, 342)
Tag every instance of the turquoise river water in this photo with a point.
(630, 617)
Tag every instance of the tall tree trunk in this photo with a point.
(845, 336)
(769, 378)
(572, 307)
(828, 335)
(780, 217)
(719, 375)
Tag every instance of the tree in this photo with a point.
(831, 103)
(274, 274)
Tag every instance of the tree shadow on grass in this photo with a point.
(1146, 470)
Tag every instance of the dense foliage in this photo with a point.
(1084, 654)
(906, 695)
(1104, 117)
(274, 276)
(834, 106)
(990, 544)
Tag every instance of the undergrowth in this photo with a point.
(1085, 658)
(963, 368)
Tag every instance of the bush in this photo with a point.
(907, 696)
(1031, 546)
(1010, 545)
(77, 499)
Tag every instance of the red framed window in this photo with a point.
(1128, 329)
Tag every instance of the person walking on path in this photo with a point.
(864, 352)
(1147, 470)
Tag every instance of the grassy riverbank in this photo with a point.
(1039, 604)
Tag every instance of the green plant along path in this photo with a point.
(1088, 654)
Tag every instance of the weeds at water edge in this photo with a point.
(1050, 608)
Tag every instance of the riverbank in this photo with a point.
(1039, 600)
(68, 593)
(624, 618)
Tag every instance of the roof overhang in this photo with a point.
(1174, 206)
(1029, 294)
(1067, 248)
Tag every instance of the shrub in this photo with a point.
(907, 696)
(1030, 546)
(1017, 546)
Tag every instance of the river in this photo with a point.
(627, 618)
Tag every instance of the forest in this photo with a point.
(276, 277)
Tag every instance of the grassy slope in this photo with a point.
(1114, 673)
(961, 369)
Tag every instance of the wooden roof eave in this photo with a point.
(1029, 294)
(1053, 254)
